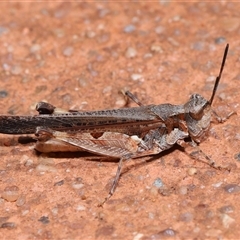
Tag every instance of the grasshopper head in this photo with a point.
(195, 106)
(197, 116)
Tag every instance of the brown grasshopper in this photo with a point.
(119, 133)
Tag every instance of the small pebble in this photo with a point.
(192, 171)
(130, 52)
(129, 28)
(28, 163)
(186, 217)
(136, 76)
(211, 79)
(158, 183)
(148, 55)
(159, 29)
(77, 185)
(6, 67)
(24, 159)
(173, 41)
(227, 220)
(21, 201)
(120, 102)
(54, 211)
(10, 49)
(176, 18)
(183, 190)
(107, 90)
(3, 30)
(59, 32)
(217, 185)
(199, 46)
(35, 48)
(45, 168)
(156, 48)
(138, 236)
(11, 193)
(80, 208)
(226, 209)
(82, 81)
(90, 34)
(220, 40)
(151, 215)
(16, 70)
(25, 212)
(68, 51)
(214, 233)
(232, 188)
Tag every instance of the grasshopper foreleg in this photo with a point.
(198, 151)
(222, 119)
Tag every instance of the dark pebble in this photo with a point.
(44, 220)
(232, 188)
(8, 225)
(60, 183)
(226, 209)
(3, 94)
(237, 156)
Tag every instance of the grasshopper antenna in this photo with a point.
(219, 75)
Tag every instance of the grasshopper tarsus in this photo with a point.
(223, 119)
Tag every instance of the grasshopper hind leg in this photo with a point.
(116, 179)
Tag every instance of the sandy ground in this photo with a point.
(79, 56)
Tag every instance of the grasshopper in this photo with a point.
(125, 133)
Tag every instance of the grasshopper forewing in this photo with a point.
(119, 133)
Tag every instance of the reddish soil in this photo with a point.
(79, 56)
